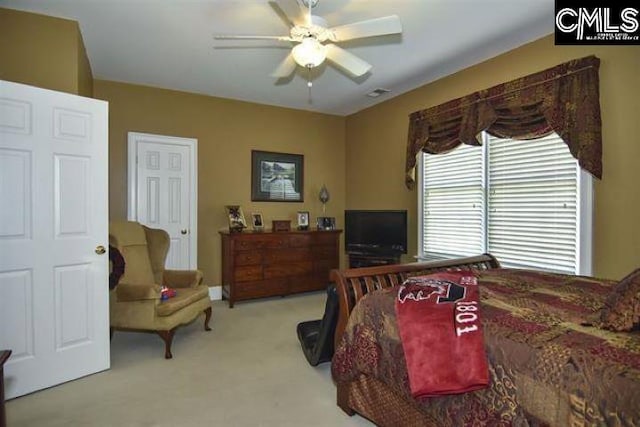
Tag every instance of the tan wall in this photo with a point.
(376, 141)
(43, 51)
(227, 131)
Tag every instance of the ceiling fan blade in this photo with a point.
(286, 67)
(289, 11)
(347, 61)
(372, 27)
(279, 38)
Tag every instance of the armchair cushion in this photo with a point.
(137, 292)
(183, 298)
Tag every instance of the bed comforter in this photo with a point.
(548, 364)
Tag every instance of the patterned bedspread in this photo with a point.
(547, 365)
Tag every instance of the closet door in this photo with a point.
(163, 187)
(54, 301)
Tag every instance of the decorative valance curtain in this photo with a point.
(563, 99)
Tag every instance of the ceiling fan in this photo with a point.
(315, 39)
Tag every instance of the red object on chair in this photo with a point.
(166, 293)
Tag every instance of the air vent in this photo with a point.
(377, 92)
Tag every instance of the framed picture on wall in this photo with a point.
(276, 177)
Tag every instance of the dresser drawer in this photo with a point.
(261, 288)
(246, 273)
(290, 269)
(248, 258)
(306, 283)
(325, 252)
(325, 238)
(322, 268)
(248, 243)
(300, 240)
(281, 256)
(276, 241)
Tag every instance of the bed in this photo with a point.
(551, 360)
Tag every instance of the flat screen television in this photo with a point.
(376, 231)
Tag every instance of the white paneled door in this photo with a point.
(54, 301)
(162, 191)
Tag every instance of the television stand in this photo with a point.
(368, 259)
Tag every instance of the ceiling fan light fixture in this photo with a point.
(309, 53)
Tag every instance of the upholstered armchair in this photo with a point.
(135, 303)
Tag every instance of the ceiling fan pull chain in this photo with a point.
(309, 84)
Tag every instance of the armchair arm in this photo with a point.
(131, 292)
(182, 278)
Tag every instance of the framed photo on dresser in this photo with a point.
(326, 223)
(257, 223)
(303, 220)
(236, 218)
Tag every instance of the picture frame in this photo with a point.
(257, 222)
(236, 218)
(277, 177)
(281, 225)
(303, 220)
(326, 223)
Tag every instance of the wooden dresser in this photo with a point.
(263, 264)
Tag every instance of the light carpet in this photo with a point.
(248, 371)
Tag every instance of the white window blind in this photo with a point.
(533, 204)
(526, 202)
(452, 221)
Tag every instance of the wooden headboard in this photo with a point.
(352, 284)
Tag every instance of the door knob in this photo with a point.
(184, 231)
(100, 250)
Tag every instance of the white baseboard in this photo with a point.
(215, 293)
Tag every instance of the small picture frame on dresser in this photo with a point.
(281, 225)
(326, 223)
(257, 223)
(303, 220)
(236, 218)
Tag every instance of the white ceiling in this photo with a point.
(169, 44)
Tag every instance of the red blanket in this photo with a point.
(439, 323)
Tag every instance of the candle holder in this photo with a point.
(324, 197)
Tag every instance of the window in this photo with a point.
(526, 202)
